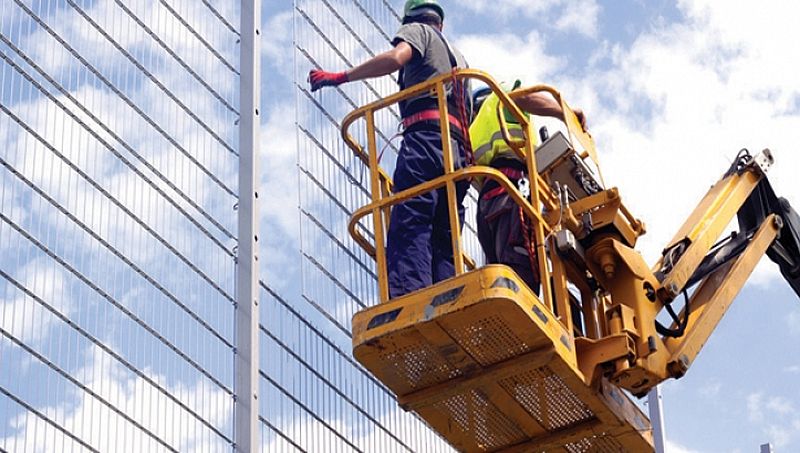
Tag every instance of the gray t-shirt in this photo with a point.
(431, 58)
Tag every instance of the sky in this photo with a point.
(101, 322)
(672, 91)
(116, 301)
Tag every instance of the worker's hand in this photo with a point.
(581, 117)
(319, 79)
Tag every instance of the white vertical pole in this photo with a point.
(245, 434)
(657, 418)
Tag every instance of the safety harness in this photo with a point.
(493, 150)
(460, 95)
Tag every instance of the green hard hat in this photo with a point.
(412, 5)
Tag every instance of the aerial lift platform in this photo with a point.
(492, 366)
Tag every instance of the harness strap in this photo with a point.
(461, 96)
(530, 244)
(460, 93)
(428, 115)
(511, 173)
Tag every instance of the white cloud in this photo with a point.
(754, 407)
(674, 447)
(278, 195)
(711, 388)
(79, 147)
(775, 416)
(780, 406)
(779, 436)
(53, 176)
(278, 159)
(93, 422)
(764, 274)
(279, 50)
(579, 16)
(507, 56)
(24, 318)
(676, 106)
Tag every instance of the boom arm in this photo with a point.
(785, 251)
(768, 225)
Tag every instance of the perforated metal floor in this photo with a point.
(491, 371)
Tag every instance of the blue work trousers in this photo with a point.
(418, 245)
(501, 235)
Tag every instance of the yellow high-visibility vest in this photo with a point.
(484, 132)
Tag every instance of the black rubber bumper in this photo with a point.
(785, 251)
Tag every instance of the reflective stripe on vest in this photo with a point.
(515, 132)
(487, 139)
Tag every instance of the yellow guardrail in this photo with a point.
(575, 131)
(542, 197)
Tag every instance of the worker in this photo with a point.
(502, 234)
(418, 246)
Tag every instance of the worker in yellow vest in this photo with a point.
(502, 230)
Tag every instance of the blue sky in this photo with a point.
(114, 276)
(672, 91)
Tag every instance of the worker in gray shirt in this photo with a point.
(418, 244)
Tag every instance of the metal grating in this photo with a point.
(419, 365)
(119, 156)
(489, 340)
(473, 412)
(597, 444)
(547, 398)
(337, 278)
(316, 397)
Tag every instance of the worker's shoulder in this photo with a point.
(420, 37)
(414, 30)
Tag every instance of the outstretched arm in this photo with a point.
(543, 104)
(383, 64)
(377, 66)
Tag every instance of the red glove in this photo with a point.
(319, 79)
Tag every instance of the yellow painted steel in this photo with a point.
(607, 210)
(541, 193)
(492, 366)
(715, 294)
(706, 223)
(452, 208)
(624, 274)
(377, 191)
(487, 365)
(462, 174)
(604, 416)
(574, 128)
(561, 296)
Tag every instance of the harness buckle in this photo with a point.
(524, 187)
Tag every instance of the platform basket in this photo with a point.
(488, 366)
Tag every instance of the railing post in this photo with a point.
(538, 228)
(447, 157)
(377, 213)
(246, 319)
